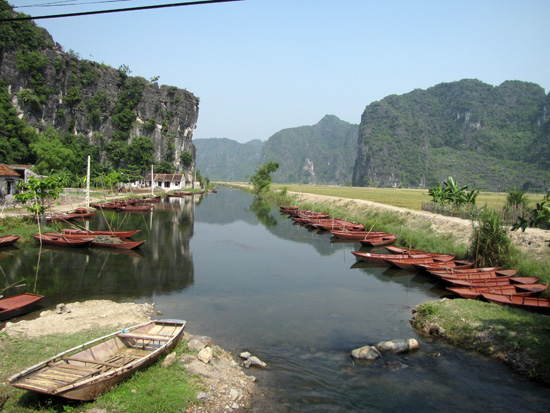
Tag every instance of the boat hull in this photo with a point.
(87, 371)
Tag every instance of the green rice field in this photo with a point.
(405, 198)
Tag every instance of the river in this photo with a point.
(251, 279)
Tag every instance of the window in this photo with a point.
(10, 187)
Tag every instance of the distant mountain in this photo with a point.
(320, 154)
(490, 138)
(222, 159)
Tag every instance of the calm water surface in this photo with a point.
(238, 271)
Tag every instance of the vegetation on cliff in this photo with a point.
(492, 138)
(320, 154)
(76, 108)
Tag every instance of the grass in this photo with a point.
(515, 336)
(156, 389)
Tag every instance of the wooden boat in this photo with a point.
(379, 240)
(89, 370)
(105, 241)
(286, 209)
(475, 292)
(410, 262)
(106, 206)
(83, 213)
(492, 282)
(61, 241)
(518, 301)
(61, 217)
(356, 235)
(134, 208)
(443, 266)
(336, 224)
(119, 234)
(453, 271)
(18, 305)
(381, 258)
(8, 240)
(475, 274)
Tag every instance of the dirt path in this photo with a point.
(532, 241)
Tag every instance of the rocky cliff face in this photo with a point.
(491, 138)
(51, 88)
(323, 153)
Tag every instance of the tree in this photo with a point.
(186, 159)
(37, 192)
(261, 181)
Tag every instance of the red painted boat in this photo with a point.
(61, 217)
(336, 224)
(475, 292)
(381, 258)
(475, 274)
(287, 209)
(357, 235)
(452, 271)
(83, 213)
(18, 305)
(444, 266)
(379, 241)
(134, 208)
(119, 234)
(8, 240)
(409, 263)
(116, 243)
(536, 303)
(61, 241)
(492, 282)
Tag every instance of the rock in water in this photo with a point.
(398, 346)
(366, 353)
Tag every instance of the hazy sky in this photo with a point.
(259, 66)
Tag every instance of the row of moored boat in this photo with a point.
(492, 284)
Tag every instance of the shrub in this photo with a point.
(490, 245)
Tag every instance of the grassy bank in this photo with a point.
(519, 338)
(156, 389)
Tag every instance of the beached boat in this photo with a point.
(533, 303)
(18, 305)
(119, 234)
(59, 240)
(8, 240)
(89, 370)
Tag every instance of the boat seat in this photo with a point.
(144, 336)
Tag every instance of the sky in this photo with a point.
(260, 66)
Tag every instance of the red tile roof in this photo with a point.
(6, 171)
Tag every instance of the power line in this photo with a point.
(65, 3)
(87, 13)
